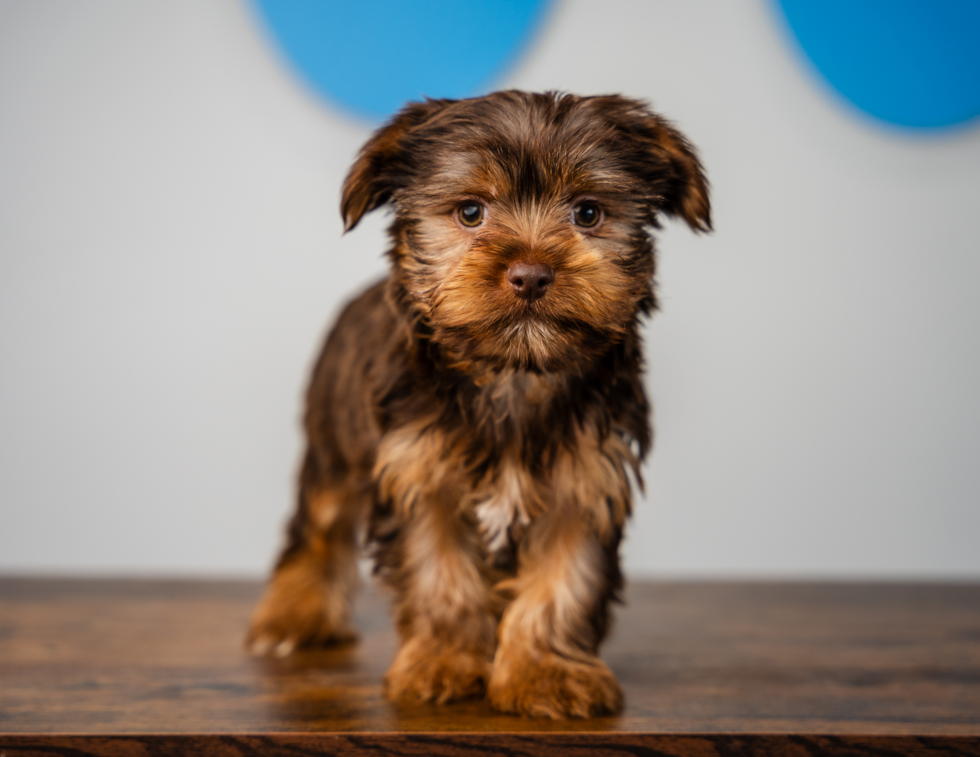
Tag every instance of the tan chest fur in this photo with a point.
(419, 465)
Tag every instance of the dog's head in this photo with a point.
(522, 220)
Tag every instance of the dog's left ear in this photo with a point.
(384, 164)
(666, 161)
(686, 192)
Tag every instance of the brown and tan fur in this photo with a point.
(483, 435)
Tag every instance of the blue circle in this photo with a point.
(372, 56)
(908, 62)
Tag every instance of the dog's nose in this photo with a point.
(530, 280)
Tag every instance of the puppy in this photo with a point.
(479, 413)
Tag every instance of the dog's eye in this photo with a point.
(470, 214)
(586, 214)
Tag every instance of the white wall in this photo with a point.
(170, 252)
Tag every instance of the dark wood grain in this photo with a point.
(586, 744)
(708, 668)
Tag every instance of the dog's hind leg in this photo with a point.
(308, 599)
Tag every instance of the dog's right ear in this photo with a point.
(383, 164)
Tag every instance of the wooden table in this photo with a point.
(156, 668)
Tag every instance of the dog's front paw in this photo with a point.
(549, 686)
(297, 610)
(428, 670)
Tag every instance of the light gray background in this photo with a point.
(171, 251)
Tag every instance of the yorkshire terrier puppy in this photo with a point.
(479, 413)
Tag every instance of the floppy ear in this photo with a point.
(664, 160)
(384, 163)
(686, 192)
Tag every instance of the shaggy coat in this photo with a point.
(479, 414)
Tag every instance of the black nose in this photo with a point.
(530, 280)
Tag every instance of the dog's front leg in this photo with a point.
(444, 612)
(546, 663)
